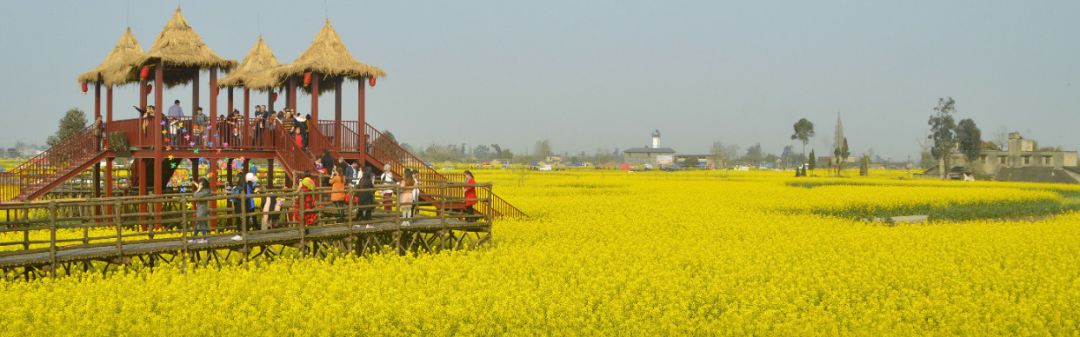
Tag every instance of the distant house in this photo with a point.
(651, 155)
(1022, 160)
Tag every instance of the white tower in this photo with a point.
(656, 139)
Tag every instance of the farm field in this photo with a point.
(645, 253)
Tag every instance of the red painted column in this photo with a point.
(292, 93)
(270, 173)
(212, 175)
(247, 116)
(159, 103)
(142, 105)
(97, 145)
(315, 99)
(361, 118)
(108, 161)
(230, 99)
(337, 114)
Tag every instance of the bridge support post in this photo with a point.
(361, 128)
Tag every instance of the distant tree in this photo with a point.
(811, 162)
(943, 133)
(690, 162)
(754, 155)
(988, 145)
(804, 129)
(864, 165)
(723, 154)
(788, 156)
(542, 149)
(841, 155)
(970, 138)
(482, 152)
(389, 136)
(72, 123)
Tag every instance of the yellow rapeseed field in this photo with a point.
(643, 254)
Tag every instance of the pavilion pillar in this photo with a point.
(97, 145)
(230, 99)
(292, 93)
(315, 99)
(108, 161)
(194, 93)
(159, 150)
(247, 113)
(270, 173)
(360, 118)
(142, 105)
(270, 99)
(337, 114)
(194, 169)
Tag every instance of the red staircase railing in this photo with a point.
(387, 151)
(47, 168)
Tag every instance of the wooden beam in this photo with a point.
(361, 119)
(337, 114)
(315, 99)
(159, 102)
(292, 93)
(231, 99)
(247, 115)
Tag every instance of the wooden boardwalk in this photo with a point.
(114, 237)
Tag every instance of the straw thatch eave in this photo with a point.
(183, 52)
(256, 71)
(120, 66)
(328, 57)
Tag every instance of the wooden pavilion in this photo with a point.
(177, 57)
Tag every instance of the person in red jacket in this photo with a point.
(470, 196)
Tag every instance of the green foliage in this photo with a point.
(72, 123)
(970, 138)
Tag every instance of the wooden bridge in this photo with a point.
(71, 237)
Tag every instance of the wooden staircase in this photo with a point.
(51, 168)
(384, 150)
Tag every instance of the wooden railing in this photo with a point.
(46, 167)
(56, 226)
(387, 151)
(348, 129)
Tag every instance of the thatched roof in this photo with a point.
(183, 51)
(120, 66)
(256, 70)
(329, 57)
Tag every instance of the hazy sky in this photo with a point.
(604, 74)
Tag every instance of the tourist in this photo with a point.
(251, 185)
(406, 198)
(365, 197)
(338, 195)
(147, 116)
(307, 204)
(202, 209)
(271, 207)
(327, 162)
(358, 173)
(470, 196)
(387, 178)
(175, 121)
(297, 138)
(199, 121)
(260, 124)
(98, 128)
(301, 125)
(287, 121)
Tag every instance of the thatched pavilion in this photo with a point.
(177, 57)
(325, 65)
(120, 67)
(254, 73)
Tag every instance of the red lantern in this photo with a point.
(307, 78)
(273, 97)
(84, 88)
(371, 81)
(144, 73)
(149, 89)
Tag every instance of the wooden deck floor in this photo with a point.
(282, 236)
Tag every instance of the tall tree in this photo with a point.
(723, 154)
(943, 133)
(841, 155)
(804, 129)
(542, 149)
(812, 161)
(754, 155)
(72, 123)
(970, 138)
